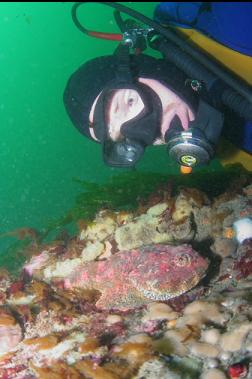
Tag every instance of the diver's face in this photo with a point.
(125, 105)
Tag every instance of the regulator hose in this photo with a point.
(102, 35)
(216, 88)
(226, 86)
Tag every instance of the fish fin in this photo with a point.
(123, 298)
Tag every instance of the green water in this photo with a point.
(40, 151)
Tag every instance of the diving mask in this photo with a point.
(136, 133)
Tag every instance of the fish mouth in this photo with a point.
(201, 272)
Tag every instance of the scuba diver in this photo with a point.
(129, 100)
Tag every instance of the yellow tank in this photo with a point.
(241, 65)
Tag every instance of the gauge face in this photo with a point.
(188, 160)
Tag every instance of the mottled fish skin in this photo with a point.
(136, 277)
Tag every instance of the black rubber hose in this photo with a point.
(237, 103)
(217, 89)
(119, 21)
(75, 18)
(185, 62)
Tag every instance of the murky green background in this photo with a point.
(40, 151)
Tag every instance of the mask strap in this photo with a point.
(123, 72)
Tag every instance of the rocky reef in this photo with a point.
(161, 291)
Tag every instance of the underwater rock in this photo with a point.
(210, 336)
(92, 251)
(157, 210)
(200, 312)
(238, 207)
(156, 369)
(175, 341)
(143, 230)
(204, 350)
(99, 229)
(233, 340)
(140, 338)
(159, 311)
(240, 267)
(105, 304)
(182, 208)
(61, 269)
(134, 353)
(133, 278)
(113, 319)
(10, 332)
(5, 282)
(248, 191)
(37, 262)
(213, 373)
(224, 247)
(123, 217)
(183, 231)
(204, 220)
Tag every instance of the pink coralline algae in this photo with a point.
(133, 278)
(243, 265)
(10, 332)
(238, 370)
(36, 262)
(232, 271)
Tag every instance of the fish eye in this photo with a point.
(183, 260)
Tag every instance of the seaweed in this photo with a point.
(124, 191)
(14, 256)
(121, 192)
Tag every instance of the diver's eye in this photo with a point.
(131, 101)
(183, 260)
